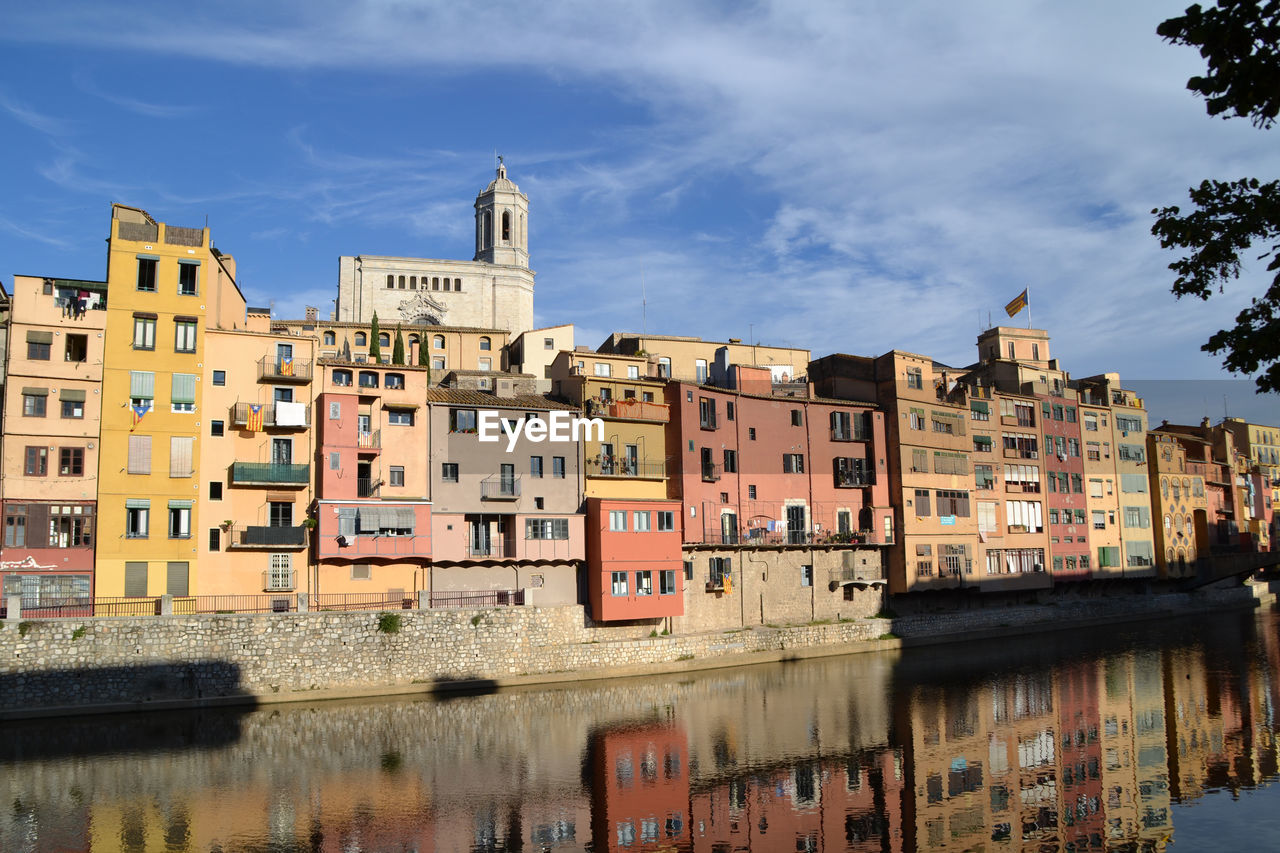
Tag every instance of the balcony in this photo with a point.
(858, 574)
(708, 421)
(280, 580)
(852, 479)
(639, 469)
(635, 410)
(710, 472)
(367, 487)
(271, 537)
(240, 417)
(499, 488)
(842, 433)
(369, 440)
(276, 369)
(270, 474)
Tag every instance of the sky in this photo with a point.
(843, 176)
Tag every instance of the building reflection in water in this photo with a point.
(1058, 743)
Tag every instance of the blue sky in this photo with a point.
(845, 176)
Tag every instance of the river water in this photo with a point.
(1142, 737)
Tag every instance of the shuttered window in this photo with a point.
(135, 580)
(176, 579)
(184, 389)
(142, 384)
(139, 454)
(180, 452)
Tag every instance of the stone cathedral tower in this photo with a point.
(494, 290)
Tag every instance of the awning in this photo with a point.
(180, 504)
(137, 503)
(35, 392)
(404, 518)
(72, 395)
(281, 497)
(142, 384)
(184, 388)
(401, 406)
(39, 337)
(979, 406)
(368, 520)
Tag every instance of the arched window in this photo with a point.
(485, 344)
(342, 377)
(391, 282)
(487, 232)
(457, 285)
(384, 340)
(413, 282)
(362, 339)
(506, 226)
(413, 340)
(438, 342)
(1164, 487)
(435, 283)
(402, 282)
(330, 339)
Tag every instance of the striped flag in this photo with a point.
(1019, 302)
(139, 411)
(286, 365)
(253, 422)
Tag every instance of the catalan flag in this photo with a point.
(253, 421)
(286, 365)
(1019, 302)
(139, 411)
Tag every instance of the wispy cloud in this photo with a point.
(46, 124)
(134, 105)
(31, 234)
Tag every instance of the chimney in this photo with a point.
(313, 313)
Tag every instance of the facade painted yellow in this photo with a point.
(170, 287)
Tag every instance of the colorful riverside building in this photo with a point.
(633, 559)
(1180, 507)
(172, 287)
(255, 459)
(504, 517)
(52, 409)
(373, 509)
(785, 499)
(1019, 362)
(1261, 444)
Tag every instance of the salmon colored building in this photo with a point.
(634, 563)
(52, 409)
(640, 788)
(256, 456)
(373, 512)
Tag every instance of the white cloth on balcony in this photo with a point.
(291, 414)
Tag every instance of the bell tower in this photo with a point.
(502, 222)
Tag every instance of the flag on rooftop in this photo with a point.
(1019, 302)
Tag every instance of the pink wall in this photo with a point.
(632, 551)
(366, 547)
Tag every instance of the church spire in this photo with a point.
(502, 222)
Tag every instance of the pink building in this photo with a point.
(634, 562)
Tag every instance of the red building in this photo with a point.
(639, 789)
(634, 562)
(1068, 520)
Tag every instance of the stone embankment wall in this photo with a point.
(192, 660)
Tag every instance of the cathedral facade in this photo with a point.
(493, 290)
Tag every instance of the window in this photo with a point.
(384, 338)
(368, 379)
(718, 569)
(806, 575)
(923, 509)
(546, 528)
(916, 418)
(1137, 516)
(667, 582)
(731, 461)
(603, 368)
(688, 570)
(135, 580)
(71, 462)
(395, 475)
(1130, 452)
(1024, 516)
(700, 371)
(147, 275)
(144, 332)
(644, 583)
(217, 428)
(548, 343)
(137, 519)
(187, 271)
(15, 526)
(39, 350)
(950, 463)
(915, 378)
(984, 477)
(215, 539)
(33, 402)
(179, 520)
(793, 463)
(77, 348)
(617, 520)
(139, 454)
(951, 502)
(535, 467)
(641, 521)
(982, 444)
(797, 417)
(342, 378)
(184, 336)
(181, 463)
(394, 380)
(462, 420)
(751, 433)
(619, 583)
(400, 417)
(666, 521)
(751, 493)
(183, 392)
(177, 579)
(37, 462)
(362, 340)
(72, 406)
(449, 472)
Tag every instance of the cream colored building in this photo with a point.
(493, 290)
(694, 360)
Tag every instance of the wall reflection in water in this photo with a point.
(1058, 743)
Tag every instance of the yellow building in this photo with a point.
(1261, 444)
(1179, 505)
(631, 460)
(169, 287)
(694, 360)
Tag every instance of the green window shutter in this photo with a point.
(142, 384)
(184, 387)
